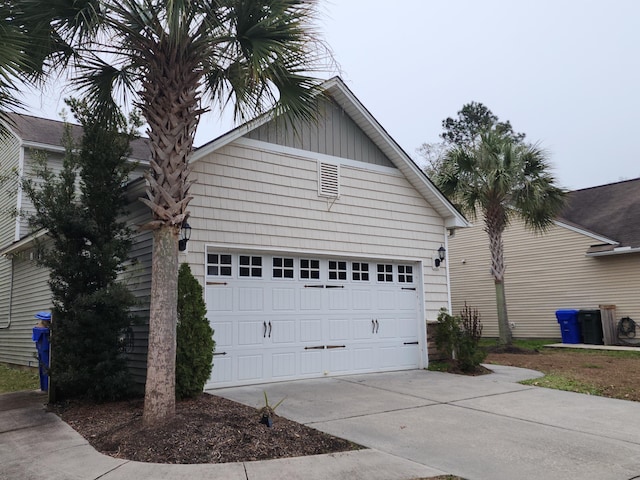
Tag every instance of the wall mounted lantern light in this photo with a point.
(185, 235)
(442, 254)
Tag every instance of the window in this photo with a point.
(405, 273)
(282, 267)
(360, 271)
(385, 272)
(218, 265)
(310, 269)
(337, 270)
(250, 266)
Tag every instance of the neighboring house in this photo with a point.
(315, 247)
(590, 257)
(24, 287)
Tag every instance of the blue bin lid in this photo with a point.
(46, 316)
(567, 314)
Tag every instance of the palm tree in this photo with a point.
(170, 56)
(500, 178)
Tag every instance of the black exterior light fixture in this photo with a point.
(185, 235)
(442, 254)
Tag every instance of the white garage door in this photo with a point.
(281, 317)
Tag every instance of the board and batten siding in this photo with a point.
(544, 273)
(334, 133)
(248, 195)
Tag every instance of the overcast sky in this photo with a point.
(564, 72)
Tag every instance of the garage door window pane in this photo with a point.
(360, 271)
(310, 269)
(218, 265)
(250, 266)
(385, 272)
(282, 267)
(337, 270)
(405, 273)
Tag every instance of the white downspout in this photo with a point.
(446, 246)
(8, 325)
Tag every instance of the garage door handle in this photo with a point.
(219, 353)
(269, 329)
(336, 346)
(314, 286)
(334, 286)
(377, 326)
(264, 329)
(408, 288)
(319, 347)
(373, 326)
(411, 343)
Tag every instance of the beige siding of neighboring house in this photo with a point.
(544, 273)
(248, 195)
(30, 294)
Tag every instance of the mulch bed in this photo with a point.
(207, 429)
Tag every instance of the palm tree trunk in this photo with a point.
(495, 225)
(504, 329)
(159, 399)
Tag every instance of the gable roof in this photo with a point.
(611, 211)
(342, 95)
(41, 132)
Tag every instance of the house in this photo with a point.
(315, 247)
(23, 285)
(588, 259)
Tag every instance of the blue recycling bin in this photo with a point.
(569, 325)
(41, 337)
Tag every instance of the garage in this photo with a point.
(279, 316)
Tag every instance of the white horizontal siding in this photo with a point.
(544, 273)
(30, 294)
(137, 278)
(246, 196)
(9, 164)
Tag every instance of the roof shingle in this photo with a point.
(611, 210)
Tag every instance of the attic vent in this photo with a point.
(328, 180)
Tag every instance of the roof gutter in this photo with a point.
(615, 251)
(22, 244)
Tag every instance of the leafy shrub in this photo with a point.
(458, 337)
(470, 354)
(195, 344)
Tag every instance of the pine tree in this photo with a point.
(85, 249)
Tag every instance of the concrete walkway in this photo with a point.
(416, 423)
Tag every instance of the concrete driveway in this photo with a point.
(480, 428)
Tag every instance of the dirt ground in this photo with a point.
(208, 429)
(212, 429)
(610, 376)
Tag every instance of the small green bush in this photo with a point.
(458, 337)
(195, 344)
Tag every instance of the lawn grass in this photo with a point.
(15, 379)
(606, 353)
(561, 382)
(534, 344)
